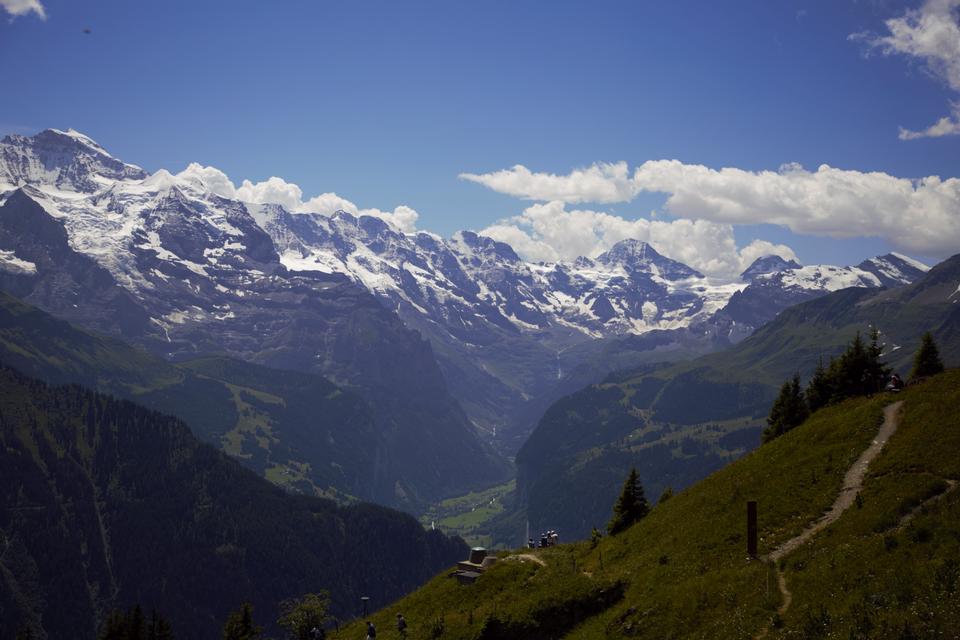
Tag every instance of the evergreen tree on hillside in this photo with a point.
(819, 389)
(789, 410)
(876, 372)
(133, 625)
(114, 628)
(927, 360)
(158, 628)
(858, 371)
(848, 370)
(631, 506)
(240, 625)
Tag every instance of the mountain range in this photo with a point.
(170, 263)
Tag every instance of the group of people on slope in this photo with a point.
(401, 628)
(547, 539)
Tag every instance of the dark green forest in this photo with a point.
(105, 504)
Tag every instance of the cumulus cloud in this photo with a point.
(276, 190)
(919, 216)
(932, 35)
(209, 178)
(551, 232)
(945, 126)
(602, 182)
(23, 7)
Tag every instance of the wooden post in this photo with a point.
(752, 528)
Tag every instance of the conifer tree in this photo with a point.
(631, 506)
(133, 625)
(240, 625)
(849, 370)
(876, 371)
(136, 625)
(819, 389)
(927, 360)
(158, 628)
(789, 410)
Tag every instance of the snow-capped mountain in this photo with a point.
(776, 284)
(215, 273)
(180, 271)
(766, 265)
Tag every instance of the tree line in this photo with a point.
(858, 371)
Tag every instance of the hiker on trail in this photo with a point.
(316, 633)
(555, 538)
(531, 544)
(401, 625)
(371, 631)
(895, 384)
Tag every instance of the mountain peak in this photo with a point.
(471, 242)
(894, 269)
(636, 255)
(67, 160)
(767, 264)
(73, 134)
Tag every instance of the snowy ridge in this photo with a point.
(125, 219)
(824, 278)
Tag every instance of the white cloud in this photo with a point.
(550, 232)
(931, 34)
(210, 178)
(945, 126)
(23, 7)
(761, 248)
(919, 216)
(601, 182)
(274, 190)
(287, 194)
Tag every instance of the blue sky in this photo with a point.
(386, 103)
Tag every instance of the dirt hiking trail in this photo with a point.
(852, 484)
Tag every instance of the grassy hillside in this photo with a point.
(683, 572)
(715, 402)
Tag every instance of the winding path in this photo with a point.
(852, 484)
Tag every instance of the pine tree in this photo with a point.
(631, 506)
(927, 360)
(158, 628)
(240, 625)
(133, 625)
(136, 625)
(850, 369)
(819, 389)
(789, 410)
(115, 627)
(876, 371)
